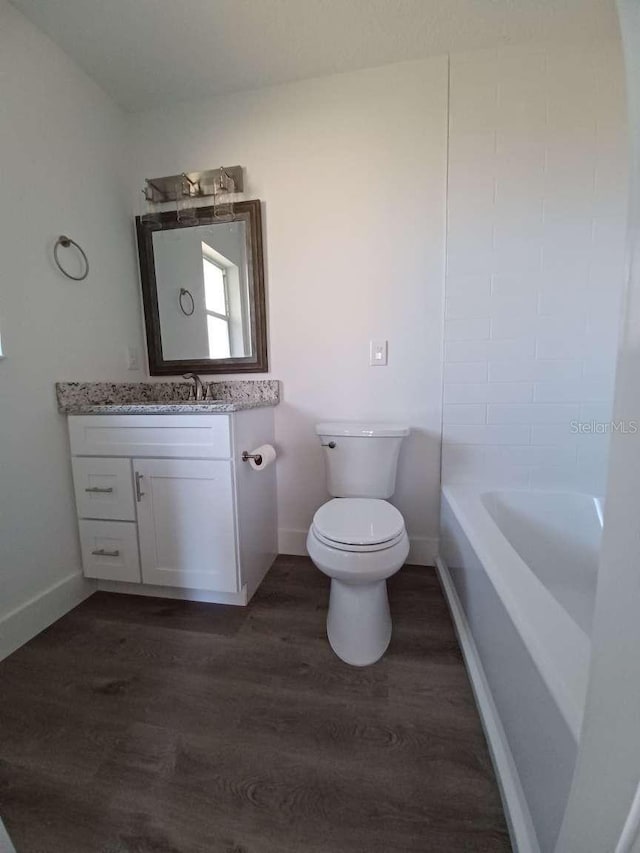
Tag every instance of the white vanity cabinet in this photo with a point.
(166, 505)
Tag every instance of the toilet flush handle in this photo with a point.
(330, 445)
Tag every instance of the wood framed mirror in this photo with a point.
(203, 292)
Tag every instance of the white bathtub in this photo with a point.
(558, 537)
(520, 570)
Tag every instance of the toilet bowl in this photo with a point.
(359, 539)
(358, 543)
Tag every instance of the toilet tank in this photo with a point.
(361, 458)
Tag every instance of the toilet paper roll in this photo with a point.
(268, 453)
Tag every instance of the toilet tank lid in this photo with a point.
(361, 429)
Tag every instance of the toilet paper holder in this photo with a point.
(257, 457)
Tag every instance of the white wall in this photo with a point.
(62, 153)
(608, 768)
(352, 172)
(537, 204)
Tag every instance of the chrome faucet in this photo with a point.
(197, 391)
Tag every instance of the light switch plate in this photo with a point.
(378, 353)
(133, 358)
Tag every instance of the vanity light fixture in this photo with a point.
(187, 188)
(152, 197)
(223, 190)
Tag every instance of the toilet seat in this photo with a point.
(358, 524)
(345, 546)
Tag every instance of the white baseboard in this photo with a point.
(521, 828)
(423, 549)
(292, 542)
(23, 623)
(239, 598)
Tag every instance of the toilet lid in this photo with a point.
(358, 521)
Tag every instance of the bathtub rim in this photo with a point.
(562, 652)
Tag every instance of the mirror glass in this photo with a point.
(203, 291)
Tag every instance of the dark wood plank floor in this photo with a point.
(139, 725)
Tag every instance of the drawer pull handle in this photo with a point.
(139, 492)
(101, 552)
(100, 491)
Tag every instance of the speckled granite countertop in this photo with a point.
(158, 408)
(164, 398)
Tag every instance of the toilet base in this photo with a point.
(359, 621)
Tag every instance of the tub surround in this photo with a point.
(138, 398)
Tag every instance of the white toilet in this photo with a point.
(358, 539)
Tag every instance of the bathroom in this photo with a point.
(440, 205)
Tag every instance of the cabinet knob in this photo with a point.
(101, 552)
(98, 490)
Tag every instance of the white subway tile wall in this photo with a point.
(538, 173)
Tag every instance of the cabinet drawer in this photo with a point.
(110, 550)
(104, 488)
(187, 436)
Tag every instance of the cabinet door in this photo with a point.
(186, 523)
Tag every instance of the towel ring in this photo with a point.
(66, 242)
(184, 292)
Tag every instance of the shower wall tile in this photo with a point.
(511, 348)
(465, 414)
(538, 171)
(535, 413)
(465, 371)
(488, 392)
(535, 370)
(467, 329)
(486, 435)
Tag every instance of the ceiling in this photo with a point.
(147, 53)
